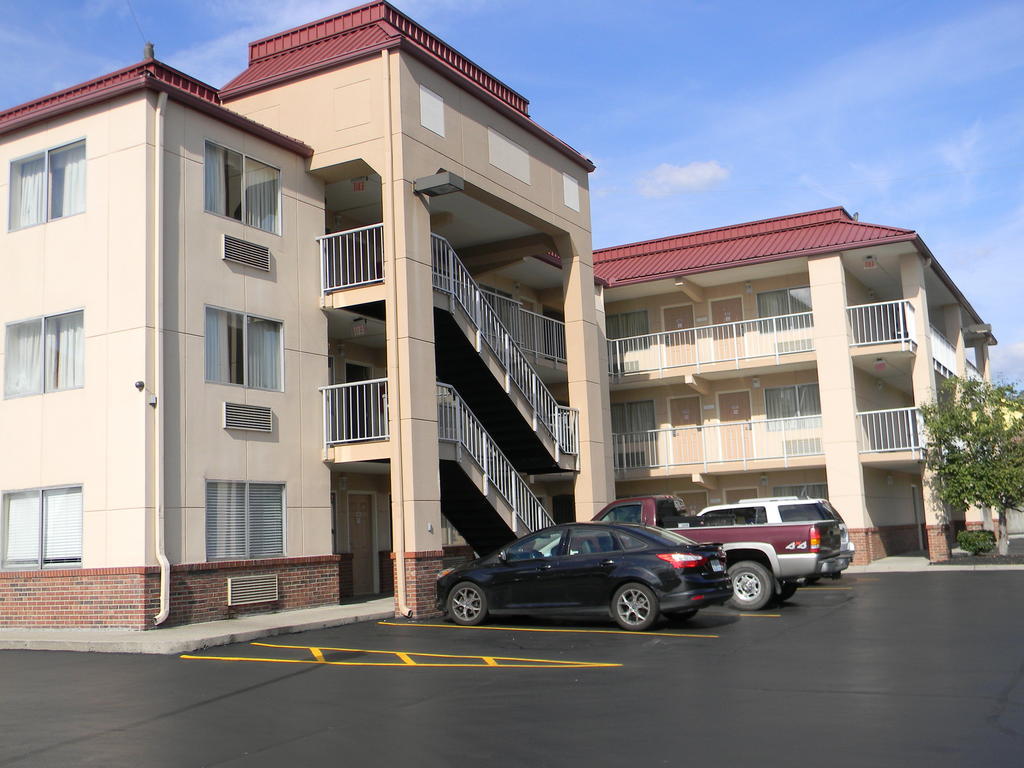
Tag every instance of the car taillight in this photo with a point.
(815, 539)
(682, 559)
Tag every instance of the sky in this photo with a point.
(698, 114)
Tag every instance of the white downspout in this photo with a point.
(158, 366)
(398, 533)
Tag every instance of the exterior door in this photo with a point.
(735, 438)
(360, 531)
(728, 341)
(687, 438)
(679, 340)
(525, 578)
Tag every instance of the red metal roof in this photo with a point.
(148, 73)
(367, 30)
(800, 234)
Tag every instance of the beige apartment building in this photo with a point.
(307, 336)
(257, 353)
(788, 357)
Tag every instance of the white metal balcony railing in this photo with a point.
(943, 353)
(709, 444)
(352, 258)
(356, 412)
(973, 372)
(456, 423)
(770, 337)
(882, 323)
(452, 277)
(897, 429)
(540, 335)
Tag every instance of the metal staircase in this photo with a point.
(450, 277)
(482, 494)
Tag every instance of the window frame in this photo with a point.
(46, 191)
(797, 401)
(42, 338)
(41, 564)
(248, 538)
(246, 157)
(647, 323)
(789, 300)
(245, 350)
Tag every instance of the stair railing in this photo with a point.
(457, 424)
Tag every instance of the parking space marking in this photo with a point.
(757, 615)
(545, 629)
(405, 659)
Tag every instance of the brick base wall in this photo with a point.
(129, 598)
(883, 541)
(975, 525)
(455, 556)
(938, 542)
(421, 569)
(385, 562)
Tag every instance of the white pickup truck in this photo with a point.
(785, 509)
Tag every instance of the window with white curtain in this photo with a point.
(633, 417)
(45, 354)
(244, 520)
(625, 324)
(243, 349)
(241, 188)
(792, 402)
(49, 185)
(803, 491)
(788, 301)
(42, 528)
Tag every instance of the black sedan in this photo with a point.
(632, 572)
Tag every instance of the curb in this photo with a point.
(160, 646)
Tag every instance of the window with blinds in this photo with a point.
(788, 301)
(244, 521)
(626, 324)
(42, 528)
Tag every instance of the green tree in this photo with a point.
(975, 433)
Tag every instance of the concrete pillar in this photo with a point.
(587, 363)
(840, 428)
(912, 277)
(412, 389)
(981, 360)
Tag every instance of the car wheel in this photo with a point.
(752, 586)
(789, 589)
(635, 607)
(467, 604)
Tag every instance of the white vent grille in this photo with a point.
(245, 590)
(806, 446)
(244, 252)
(255, 418)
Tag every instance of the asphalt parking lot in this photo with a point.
(889, 669)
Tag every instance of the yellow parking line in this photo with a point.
(542, 629)
(406, 659)
(759, 615)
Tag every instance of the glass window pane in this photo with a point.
(591, 541)
(809, 400)
(225, 333)
(262, 186)
(222, 173)
(772, 303)
(541, 545)
(266, 520)
(21, 530)
(264, 354)
(627, 324)
(799, 300)
(67, 180)
(65, 352)
(780, 402)
(23, 369)
(225, 521)
(62, 526)
(28, 191)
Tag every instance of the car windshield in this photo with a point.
(670, 538)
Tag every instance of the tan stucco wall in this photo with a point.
(96, 436)
(197, 276)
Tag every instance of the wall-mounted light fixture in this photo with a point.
(443, 183)
(764, 479)
(880, 364)
(755, 382)
(748, 287)
(870, 262)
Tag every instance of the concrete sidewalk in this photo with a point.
(917, 564)
(191, 637)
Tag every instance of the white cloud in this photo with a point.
(668, 179)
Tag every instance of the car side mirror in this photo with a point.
(503, 556)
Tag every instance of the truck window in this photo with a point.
(624, 513)
(798, 513)
(669, 513)
(736, 516)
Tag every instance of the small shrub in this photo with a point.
(976, 542)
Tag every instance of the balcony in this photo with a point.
(352, 266)
(886, 322)
(355, 413)
(943, 354)
(543, 337)
(973, 372)
(726, 345)
(730, 446)
(893, 434)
